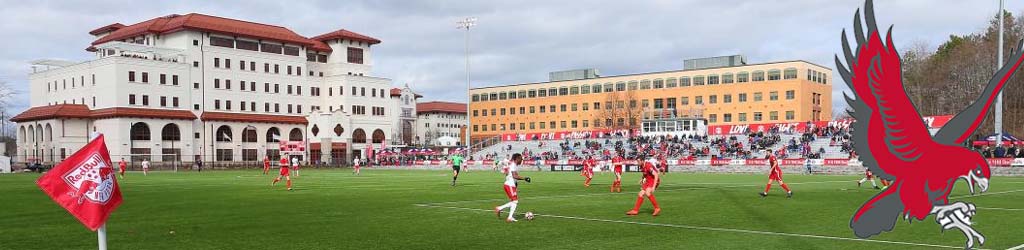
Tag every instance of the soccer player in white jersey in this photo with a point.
(511, 178)
(145, 168)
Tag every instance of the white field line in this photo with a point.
(1004, 209)
(630, 193)
(701, 228)
(984, 194)
(1016, 247)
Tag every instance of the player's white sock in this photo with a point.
(503, 207)
(863, 180)
(873, 183)
(512, 209)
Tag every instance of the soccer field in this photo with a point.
(415, 209)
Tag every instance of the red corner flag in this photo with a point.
(84, 184)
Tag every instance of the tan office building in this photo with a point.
(778, 92)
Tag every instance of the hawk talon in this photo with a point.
(958, 215)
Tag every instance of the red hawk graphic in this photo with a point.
(895, 144)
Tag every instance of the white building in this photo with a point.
(180, 88)
(441, 123)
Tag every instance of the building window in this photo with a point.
(355, 55)
(790, 73)
(743, 97)
(684, 81)
(758, 116)
(774, 75)
(131, 99)
(757, 76)
(174, 80)
(741, 117)
(790, 94)
(131, 76)
(712, 79)
(757, 96)
(727, 118)
(726, 98)
(145, 100)
(774, 115)
(712, 99)
(145, 77)
(773, 96)
(163, 79)
(790, 115)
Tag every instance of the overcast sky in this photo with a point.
(514, 41)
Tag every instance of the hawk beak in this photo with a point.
(982, 183)
(973, 179)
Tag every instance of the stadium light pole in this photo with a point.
(466, 24)
(999, 97)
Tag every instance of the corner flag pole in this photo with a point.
(102, 235)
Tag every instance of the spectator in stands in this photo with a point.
(999, 152)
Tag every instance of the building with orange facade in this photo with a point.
(737, 94)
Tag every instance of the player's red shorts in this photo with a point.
(775, 176)
(618, 169)
(284, 171)
(512, 193)
(648, 184)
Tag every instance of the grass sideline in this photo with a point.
(417, 209)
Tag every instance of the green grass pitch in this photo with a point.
(416, 209)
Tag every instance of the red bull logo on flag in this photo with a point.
(91, 180)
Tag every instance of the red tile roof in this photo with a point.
(320, 46)
(193, 21)
(260, 118)
(143, 113)
(443, 107)
(345, 34)
(398, 92)
(80, 111)
(53, 111)
(105, 29)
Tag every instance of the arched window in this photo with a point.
(359, 136)
(757, 76)
(21, 134)
(224, 133)
(295, 135)
(790, 73)
(742, 77)
(273, 135)
(378, 136)
(31, 133)
(170, 132)
(774, 75)
(48, 136)
(140, 132)
(249, 134)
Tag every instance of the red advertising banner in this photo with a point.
(586, 134)
(801, 127)
(720, 162)
(686, 162)
(292, 146)
(837, 162)
(760, 162)
(1000, 161)
(575, 162)
(792, 162)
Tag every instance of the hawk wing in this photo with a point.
(887, 130)
(963, 125)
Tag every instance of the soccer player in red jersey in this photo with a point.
(121, 167)
(648, 184)
(775, 175)
(617, 165)
(284, 173)
(266, 165)
(868, 176)
(588, 170)
(511, 188)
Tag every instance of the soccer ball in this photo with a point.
(529, 215)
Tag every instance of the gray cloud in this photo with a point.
(515, 41)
